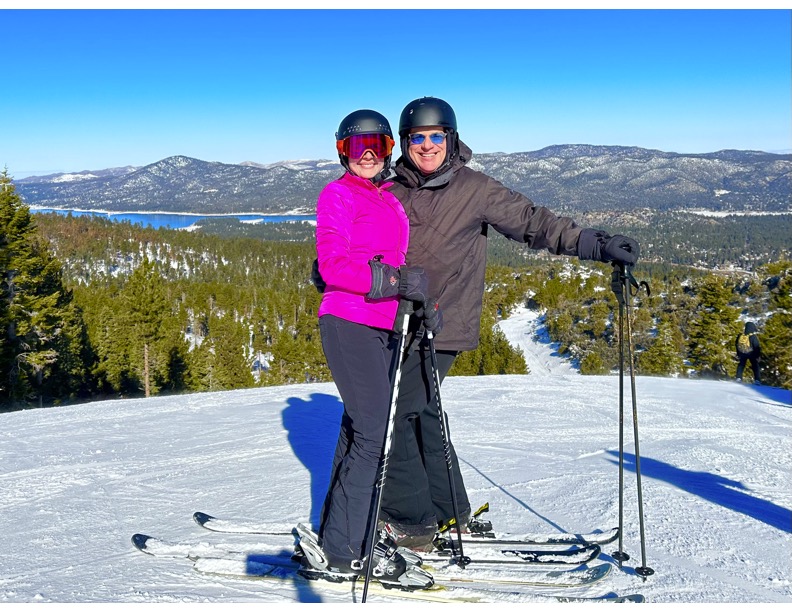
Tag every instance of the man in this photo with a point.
(450, 208)
(748, 349)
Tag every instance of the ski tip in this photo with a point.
(139, 541)
(202, 518)
(634, 598)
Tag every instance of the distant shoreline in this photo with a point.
(741, 213)
(294, 213)
(302, 213)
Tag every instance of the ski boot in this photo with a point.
(390, 569)
(305, 533)
(409, 537)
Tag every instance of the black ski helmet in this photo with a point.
(363, 121)
(425, 112)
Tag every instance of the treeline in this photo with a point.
(741, 242)
(681, 238)
(685, 325)
(93, 309)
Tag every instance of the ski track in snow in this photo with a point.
(543, 449)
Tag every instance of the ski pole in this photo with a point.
(617, 285)
(405, 310)
(643, 570)
(460, 558)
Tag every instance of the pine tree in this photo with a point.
(230, 368)
(776, 337)
(41, 330)
(663, 356)
(713, 329)
(145, 311)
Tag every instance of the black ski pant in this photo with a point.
(360, 360)
(417, 489)
(754, 366)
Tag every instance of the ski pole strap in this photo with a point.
(620, 277)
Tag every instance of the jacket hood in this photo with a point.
(750, 328)
(408, 174)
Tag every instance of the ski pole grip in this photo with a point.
(406, 307)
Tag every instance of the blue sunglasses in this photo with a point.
(436, 138)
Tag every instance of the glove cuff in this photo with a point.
(385, 280)
(589, 245)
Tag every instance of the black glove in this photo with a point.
(432, 316)
(316, 278)
(413, 285)
(600, 246)
(387, 281)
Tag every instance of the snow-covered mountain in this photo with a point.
(68, 177)
(578, 178)
(542, 449)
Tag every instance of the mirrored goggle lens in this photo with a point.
(436, 138)
(355, 146)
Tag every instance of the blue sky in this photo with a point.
(93, 89)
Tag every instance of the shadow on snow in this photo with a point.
(725, 492)
(312, 428)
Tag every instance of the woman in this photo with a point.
(361, 241)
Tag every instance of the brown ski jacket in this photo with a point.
(450, 214)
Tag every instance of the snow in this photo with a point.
(69, 178)
(542, 449)
(525, 330)
(730, 213)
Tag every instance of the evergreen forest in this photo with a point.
(92, 309)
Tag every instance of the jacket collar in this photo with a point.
(363, 183)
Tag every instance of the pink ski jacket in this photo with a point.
(356, 221)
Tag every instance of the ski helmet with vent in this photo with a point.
(364, 130)
(425, 112)
(363, 121)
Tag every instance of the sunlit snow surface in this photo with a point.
(542, 449)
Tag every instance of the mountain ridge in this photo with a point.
(575, 178)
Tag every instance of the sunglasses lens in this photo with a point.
(355, 146)
(436, 138)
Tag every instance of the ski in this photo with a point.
(448, 572)
(445, 548)
(242, 525)
(492, 555)
(480, 530)
(249, 526)
(466, 588)
(187, 550)
(538, 539)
